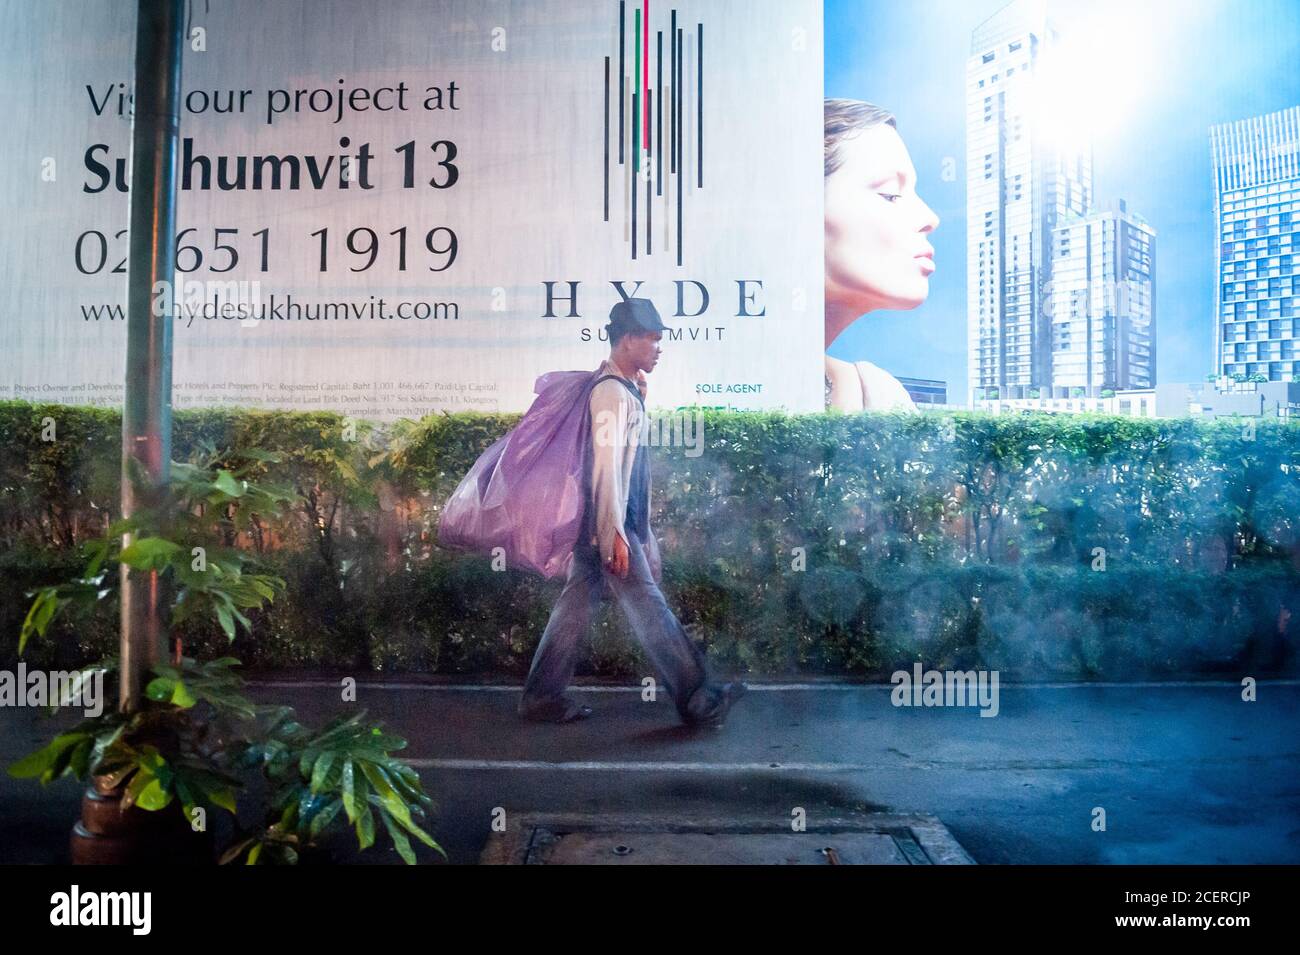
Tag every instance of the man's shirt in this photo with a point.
(620, 486)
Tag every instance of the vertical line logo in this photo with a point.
(659, 124)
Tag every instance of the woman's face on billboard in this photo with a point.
(878, 254)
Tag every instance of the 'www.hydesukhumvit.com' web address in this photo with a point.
(287, 308)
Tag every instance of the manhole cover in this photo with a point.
(867, 839)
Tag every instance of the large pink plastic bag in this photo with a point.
(527, 492)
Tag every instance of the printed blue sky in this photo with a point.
(1163, 72)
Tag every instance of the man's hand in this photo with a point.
(641, 384)
(618, 562)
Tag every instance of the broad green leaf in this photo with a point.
(228, 485)
(34, 764)
(149, 553)
(227, 620)
(160, 688)
(153, 796)
(400, 842)
(223, 797)
(320, 771)
(324, 817)
(365, 827)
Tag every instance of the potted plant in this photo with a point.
(193, 743)
(141, 762)
(196, 745)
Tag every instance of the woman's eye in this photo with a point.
(890, 196)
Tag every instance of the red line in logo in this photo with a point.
(645, 66)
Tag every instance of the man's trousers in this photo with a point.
(678, 661)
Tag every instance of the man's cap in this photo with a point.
(635, 316)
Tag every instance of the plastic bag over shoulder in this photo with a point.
(526, 493)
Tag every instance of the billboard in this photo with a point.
(427, 210)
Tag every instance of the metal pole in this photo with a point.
(147, 412)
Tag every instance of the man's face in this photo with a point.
(642, 351)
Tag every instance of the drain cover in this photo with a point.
(866, 839)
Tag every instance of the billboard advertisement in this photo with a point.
(430, 209)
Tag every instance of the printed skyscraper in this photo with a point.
(1102, 303)
(1019, 184)
(1257, 205)
(1060, 295)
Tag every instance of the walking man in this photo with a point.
(611, 548)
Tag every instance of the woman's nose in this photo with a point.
(930, 220)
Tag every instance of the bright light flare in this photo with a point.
(1091, 83)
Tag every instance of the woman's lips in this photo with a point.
(927, 263)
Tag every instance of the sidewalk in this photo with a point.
(1186, 773)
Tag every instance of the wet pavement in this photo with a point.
(1185, 773)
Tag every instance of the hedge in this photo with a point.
(1080, 546)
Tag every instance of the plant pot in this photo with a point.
(107, 834)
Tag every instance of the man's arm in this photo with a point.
(610, 416)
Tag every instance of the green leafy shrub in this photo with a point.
(966, 534)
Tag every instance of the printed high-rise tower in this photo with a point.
(1021, 181)
(1103, 303)
(1257, 214)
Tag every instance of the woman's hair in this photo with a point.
(845, 117)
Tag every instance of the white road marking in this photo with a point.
(637, 766)
(757, 687)
(658, 766)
